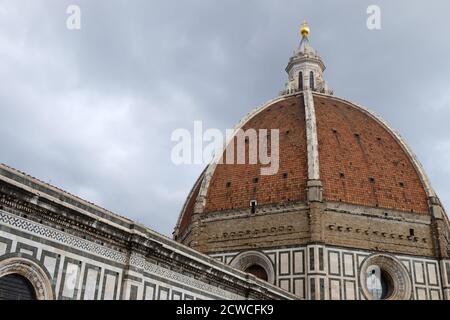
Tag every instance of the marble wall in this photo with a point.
(78, 269)
(332, 273)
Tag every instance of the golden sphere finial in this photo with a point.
(304, 29)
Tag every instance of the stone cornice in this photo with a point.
(377, 213)
(23, 210)
(43, 190)
(262, 210)
(293, 61)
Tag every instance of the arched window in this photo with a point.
(257, 271)
(300, 81)
(16, 287)
(256, 263)
(311, 80)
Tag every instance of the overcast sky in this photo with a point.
(92, 110)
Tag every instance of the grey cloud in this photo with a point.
(92, 111)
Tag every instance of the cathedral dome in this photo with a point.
(344, 177)
(361, 161)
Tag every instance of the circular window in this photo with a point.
(379, 283)
(258, 272)
(385, 278)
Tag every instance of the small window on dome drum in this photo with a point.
(300, 81)
(311, 80)
(253, 205)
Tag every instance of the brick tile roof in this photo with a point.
(361, 163)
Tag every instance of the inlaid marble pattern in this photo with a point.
(316, 272)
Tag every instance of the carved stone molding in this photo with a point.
(248, 234)
(246, 259)
(61, 237)
(32, 272)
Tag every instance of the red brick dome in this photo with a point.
(361, 160)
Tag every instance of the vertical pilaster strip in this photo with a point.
(314, 185)
(311, 136)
